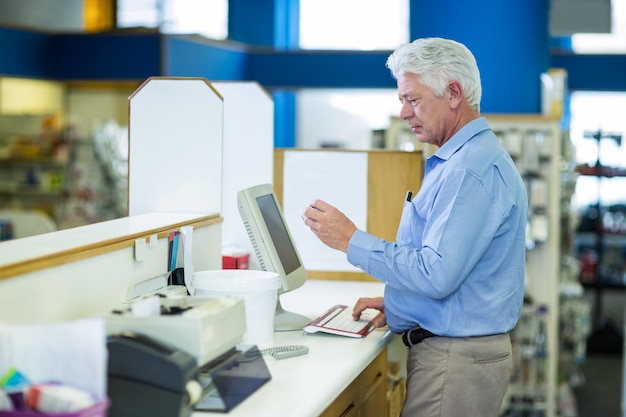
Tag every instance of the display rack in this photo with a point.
(534, 143)
(600, 245)
(34, 160)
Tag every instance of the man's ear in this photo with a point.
(456, 93)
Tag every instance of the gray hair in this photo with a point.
(438, 61)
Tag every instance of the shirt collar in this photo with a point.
(459, 139)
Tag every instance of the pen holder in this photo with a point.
(178, 277)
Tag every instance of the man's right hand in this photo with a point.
(376, 303)
(330, 225)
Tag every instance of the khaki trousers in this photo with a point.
(464, 376)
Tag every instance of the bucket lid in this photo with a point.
(236, 280)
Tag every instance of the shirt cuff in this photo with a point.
(359, 249)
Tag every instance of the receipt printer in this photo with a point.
(204, 327)
(147, 377)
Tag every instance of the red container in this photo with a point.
(235, 261)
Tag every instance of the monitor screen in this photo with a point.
(278, 233)
(273, 246)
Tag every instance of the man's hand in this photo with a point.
(330, 225)
(376, 303)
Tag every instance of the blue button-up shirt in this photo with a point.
(457, 266)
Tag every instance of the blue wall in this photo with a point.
(183, 57)
(114, 56)
(321, 69)
(593, 72)
(24, 53)
(118, 56)
(508, 38)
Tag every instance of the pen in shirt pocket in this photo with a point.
(409, 194)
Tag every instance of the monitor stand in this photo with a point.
(287, 320)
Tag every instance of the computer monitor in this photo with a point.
(274, 247)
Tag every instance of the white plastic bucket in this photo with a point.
(259, 290)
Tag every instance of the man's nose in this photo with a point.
(406, 111)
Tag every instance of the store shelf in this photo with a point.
(33, 166)
(600, 245)
(27, 192)
(600, 171)
(534, 143)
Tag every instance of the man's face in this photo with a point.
(427, 115)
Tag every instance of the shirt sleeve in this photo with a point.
(459, 226)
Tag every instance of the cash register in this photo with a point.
(170, 355)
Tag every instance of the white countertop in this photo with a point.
(91, 235)
(304, 386)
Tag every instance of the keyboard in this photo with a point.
(338, 320)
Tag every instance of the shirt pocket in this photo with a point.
(404, 237)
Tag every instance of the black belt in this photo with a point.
(416, 335)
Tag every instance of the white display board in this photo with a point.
(339, 178)
(175, 147)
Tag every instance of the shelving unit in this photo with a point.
(534, 142)
(24, 177)
(33, 153)
(34, 158)
(600, 245)
(71, 183)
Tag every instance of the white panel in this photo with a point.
(248, 153)
(304, 182)
(175, 142)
